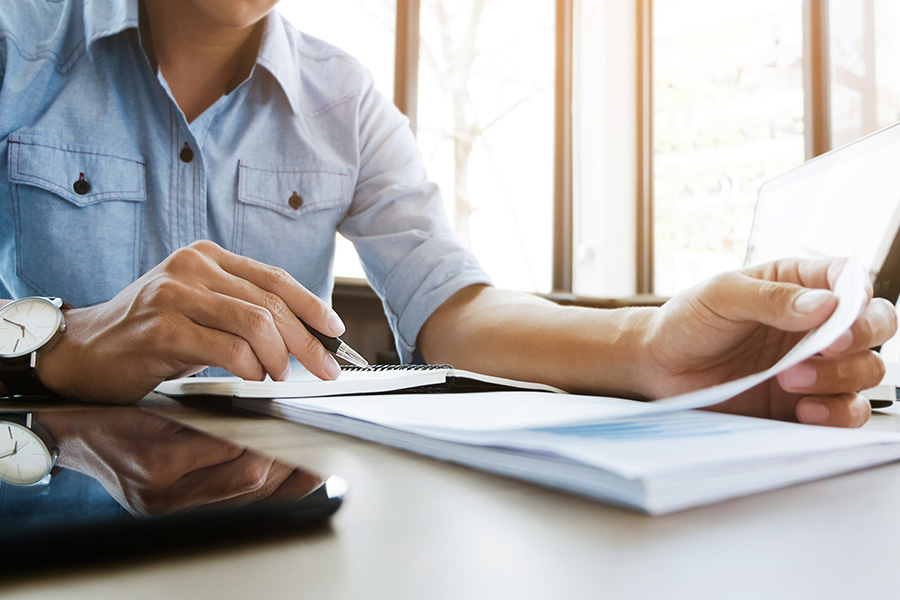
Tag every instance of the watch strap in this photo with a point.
(20, 379)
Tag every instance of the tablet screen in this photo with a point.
(844, 202)
(128, 481)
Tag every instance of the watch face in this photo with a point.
(26, 325)
(24, 459)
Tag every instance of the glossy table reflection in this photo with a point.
(412, 527)
(130, 481)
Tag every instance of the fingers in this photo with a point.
(258, 304)
(822, 375)
(242, 475)
(295, 338)
(786, 306)
(278, 473)
(843, 410)
(309, 307)
(249, 322)
(876, 325)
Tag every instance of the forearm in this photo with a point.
(523, 337)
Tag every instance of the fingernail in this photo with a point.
(800, 377)
(332, 368)
(812, 413)
(843, 342)
(808, 302)
(335, 324)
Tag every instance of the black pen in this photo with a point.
(339, 348)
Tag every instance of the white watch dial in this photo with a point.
(26, 325)
(24, 459)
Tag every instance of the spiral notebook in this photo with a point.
(383, 379)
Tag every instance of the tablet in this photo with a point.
(129, 484)
(846, 201)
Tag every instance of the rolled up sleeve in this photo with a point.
(399, 227)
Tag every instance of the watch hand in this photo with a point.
(15, 451)
(20, 326)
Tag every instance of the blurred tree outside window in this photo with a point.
(865, 67)
(485, 129)
(727, 116)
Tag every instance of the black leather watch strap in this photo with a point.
(20, 379)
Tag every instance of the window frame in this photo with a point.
(817, 129)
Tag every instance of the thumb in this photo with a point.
(784, 306)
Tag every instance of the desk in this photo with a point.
(417, 528)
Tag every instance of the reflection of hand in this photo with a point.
(153, 466)
(202, 306)
(742, 322)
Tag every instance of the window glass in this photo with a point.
(864, 40)
(365, 30)
(727, 115)
(485, 128)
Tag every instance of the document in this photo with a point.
(648, 461)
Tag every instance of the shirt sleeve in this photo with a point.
(399, 227)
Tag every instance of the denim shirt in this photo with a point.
(105, 177)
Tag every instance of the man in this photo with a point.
(213, 151)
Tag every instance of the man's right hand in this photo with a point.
(202, 306)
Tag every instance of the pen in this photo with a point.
(339, 348)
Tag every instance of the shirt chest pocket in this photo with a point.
(288, 215)
(77, 216)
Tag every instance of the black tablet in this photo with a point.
(83, 484)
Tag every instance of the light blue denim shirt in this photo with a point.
(99, 189)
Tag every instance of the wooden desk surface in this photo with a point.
(417, 528)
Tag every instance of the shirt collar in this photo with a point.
(277, 56)
(104, 18)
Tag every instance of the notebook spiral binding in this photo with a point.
(396, 367)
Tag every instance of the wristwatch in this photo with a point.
(27, 452)
(28, 327)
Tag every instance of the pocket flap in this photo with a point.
(293, 191)
(56, 167)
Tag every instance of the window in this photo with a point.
(612, 149)
(727, 115)
(485, 129)
(865, 61)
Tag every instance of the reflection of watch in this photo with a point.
(27, 452)
(28, 326)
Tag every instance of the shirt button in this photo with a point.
(186, 154)
(81, 186)
(295, 201)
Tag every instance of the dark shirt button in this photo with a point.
(295, 201)
(186, 154)
(81, 187)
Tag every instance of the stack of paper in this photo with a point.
(655, 462)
